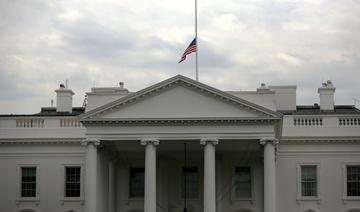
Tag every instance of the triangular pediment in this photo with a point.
(179, 98)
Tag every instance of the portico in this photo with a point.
(149, 129)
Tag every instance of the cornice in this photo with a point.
(343, 139)
(22, 141)
(312, 115)
(208, 120)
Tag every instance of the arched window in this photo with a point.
(309, 210)
(244, 210)
(354, 210)
(26, 210)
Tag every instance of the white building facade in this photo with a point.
(181, 145)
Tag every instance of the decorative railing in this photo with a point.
(42, 123)
(70, 122)
(349, 121)
(319, 121)
(29, 123)
(308, 121)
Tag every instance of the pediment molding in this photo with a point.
(177, 121)
(320, 139)
(179, 80)
(56, 141)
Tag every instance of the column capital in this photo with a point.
(264, 141)
(94, 141)
(147, 141)
(212, 141)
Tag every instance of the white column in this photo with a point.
(91, 174)
(209, 174)
(111, 186)
(269, 174)
(150, 174)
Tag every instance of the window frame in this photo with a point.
(82, 181)
(299, 195)
(129, 183)
(199, 171)
(252, 186)
(20, 198)
(345, 196)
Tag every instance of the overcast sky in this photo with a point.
(242, 43)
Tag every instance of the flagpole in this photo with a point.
(197, 46)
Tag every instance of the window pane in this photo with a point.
(72, 181)
(308, 181)
(137, 182)
(190, 183)
(353, 180)
(242, 182)
(28, 181)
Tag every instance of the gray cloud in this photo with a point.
(241, 44)
(90, 39)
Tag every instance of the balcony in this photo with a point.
(321, 125)
(40, 127)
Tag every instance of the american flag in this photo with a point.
(190, 49)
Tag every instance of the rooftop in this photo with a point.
(49, 111)
(315, 109)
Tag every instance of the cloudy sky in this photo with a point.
(241, 44)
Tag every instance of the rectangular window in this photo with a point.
(309, 181)
(242, 183)
(137, 182)
(353, 181)
(28, 181)
(190, 183)
(72, 181)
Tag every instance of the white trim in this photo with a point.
(54, 140)
(63, 198)
(232, 119)
(19, 198)
(324, 139)
(299, 196)
(345, 197)
(324, 115)
(182, 81)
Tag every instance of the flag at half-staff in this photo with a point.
(190, 49)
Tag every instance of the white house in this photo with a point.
(181, 145)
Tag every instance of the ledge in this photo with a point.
(33, 200)
(80, 200)
(251, 200)
(221, 120)
(308, 199)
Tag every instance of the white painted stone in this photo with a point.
(150, 174)
(91, 172)
(209, 174)
(47, 144)
(64, 100)
(269, 174)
